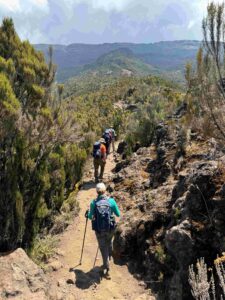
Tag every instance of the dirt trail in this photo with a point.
(87, 284)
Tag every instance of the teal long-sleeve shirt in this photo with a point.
(114, 208)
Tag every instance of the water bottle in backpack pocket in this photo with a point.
(102, 215)
(97, 150)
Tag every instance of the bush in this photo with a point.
(43, 249)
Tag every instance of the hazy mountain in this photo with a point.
(162, 56)
(120, 62)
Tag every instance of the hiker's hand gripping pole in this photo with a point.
(86, 216)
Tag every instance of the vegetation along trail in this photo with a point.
(85, 280)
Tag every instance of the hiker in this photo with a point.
(99, 155)
(107, 136)
(113, 137)
(102, 211)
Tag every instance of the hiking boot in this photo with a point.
(105, 274)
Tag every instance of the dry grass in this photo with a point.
(195, 148)
(144, 174)
(43, 249)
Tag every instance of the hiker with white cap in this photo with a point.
(99, 155)
(102, 211)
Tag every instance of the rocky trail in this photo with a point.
(172, 214)
(83, 282)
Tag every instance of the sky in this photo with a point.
(105, 21)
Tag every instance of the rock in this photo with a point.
(121, 165)
(161, 133)
(60, 252)
(181, 110)
(55, 265)
(142, 283)
(132, 107)
(122, 147)
(179, 242)
(136, 147)
(110, 187)
(21, 278)
(118, 178)
(174, 200)
(70, 281)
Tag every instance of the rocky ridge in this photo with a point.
(173, 195)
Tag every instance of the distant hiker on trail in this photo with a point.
(113, 137)
(102, 211)
(107, 136)
(99, 155)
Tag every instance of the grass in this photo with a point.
(160, 253)
(43, 249)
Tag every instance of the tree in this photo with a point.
(207, 86)
(36, 142)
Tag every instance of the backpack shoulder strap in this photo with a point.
(105, 198)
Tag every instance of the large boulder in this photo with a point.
(21, 278)
(121, 147)
(179, 243)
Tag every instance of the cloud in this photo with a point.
(98, 21)
(10, 5)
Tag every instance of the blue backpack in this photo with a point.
(102, 215)
(97, 150)
(107, 136)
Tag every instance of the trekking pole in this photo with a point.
(83, 242)
(96, 257)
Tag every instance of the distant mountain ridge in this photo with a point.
(120, 62)
(164, 56)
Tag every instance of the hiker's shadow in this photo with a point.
(85, 280)
(88, 185)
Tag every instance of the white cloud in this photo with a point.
(67, 21)
(10, 5)
(106, 5)
(40, 3)
(191, 24)
(118, 5)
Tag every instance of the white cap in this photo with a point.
(102, 140)
(100, 187)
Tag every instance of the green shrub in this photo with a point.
(43, 249)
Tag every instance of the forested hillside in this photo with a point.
(165, 58)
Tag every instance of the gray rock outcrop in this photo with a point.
(21, 278)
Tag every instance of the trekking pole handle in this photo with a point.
(86, 214)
